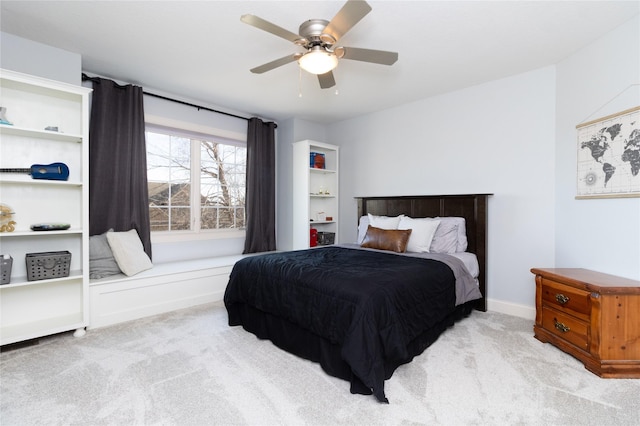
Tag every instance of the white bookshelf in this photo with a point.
(31, 309)
(315, 191)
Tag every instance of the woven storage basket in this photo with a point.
(326, 238)
(45, 265)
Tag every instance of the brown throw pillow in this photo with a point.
(386, 239)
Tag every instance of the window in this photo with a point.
(196, 182)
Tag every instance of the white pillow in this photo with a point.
(422, 232)
(128, 251)
(384, 222)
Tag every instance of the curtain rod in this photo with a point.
(85, 77)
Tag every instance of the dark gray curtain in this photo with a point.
(118, 195)
(260, 202)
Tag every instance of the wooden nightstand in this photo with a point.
(593, 316)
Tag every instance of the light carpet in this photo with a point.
(190, 368)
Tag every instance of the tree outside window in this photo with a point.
(195, 184)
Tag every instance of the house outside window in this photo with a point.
(196, 182)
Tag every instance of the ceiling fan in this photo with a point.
(318, 37)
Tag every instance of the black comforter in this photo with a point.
(375, 307)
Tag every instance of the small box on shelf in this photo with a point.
(316, 160)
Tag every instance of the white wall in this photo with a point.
(26, 56)
(493, 138)
(598, 234)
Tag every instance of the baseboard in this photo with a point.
(516, 310)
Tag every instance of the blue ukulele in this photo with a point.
(53, 171)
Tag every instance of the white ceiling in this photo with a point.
(201, 51)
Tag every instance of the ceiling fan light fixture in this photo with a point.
(318, 61)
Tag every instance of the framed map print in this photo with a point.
(609, 156)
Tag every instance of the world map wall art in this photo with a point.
(609, 156)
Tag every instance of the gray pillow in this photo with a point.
(451, 236)
(101, 261)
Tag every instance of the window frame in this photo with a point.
(198, 133)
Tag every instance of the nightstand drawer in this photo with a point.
(565, 297)
(566, 327)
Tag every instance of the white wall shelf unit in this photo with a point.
(41, 134)
(32, 309)
(315, 192)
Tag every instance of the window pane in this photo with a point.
(226, 217)
(222, 218)
(222, 185)
(159, 217)
(209, 218)
(169, 177)
(180, 219)
(240, 223)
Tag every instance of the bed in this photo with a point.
(361, 313)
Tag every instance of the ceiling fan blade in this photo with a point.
(382, 57)
(269, 27)
(350, 14)
(273, 64)
(326, 80)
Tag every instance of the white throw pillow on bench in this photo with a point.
(128, 251)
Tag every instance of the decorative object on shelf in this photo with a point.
(609, 156)
(53, 171)
(3, 117)
(52, 128)
(50, 226)
(321, 216)
(316, 160)
(323, 190)
(6, 262)
(46, 265)
(329, 218)
(7, 224)
(313, 237)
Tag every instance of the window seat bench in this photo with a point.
(163, 288)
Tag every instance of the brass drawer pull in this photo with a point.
(562, 299)
(560, 326)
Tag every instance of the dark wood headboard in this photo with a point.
(473, 207)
